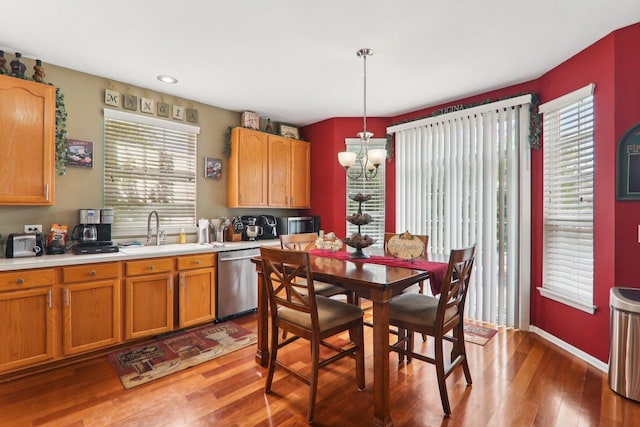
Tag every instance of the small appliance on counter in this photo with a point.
(203, 231)
(250, 222)
(269, 226)
(93, 233)
(24, 245)
(298, 224)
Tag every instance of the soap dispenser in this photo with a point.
(183, 237)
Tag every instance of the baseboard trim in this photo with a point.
(596, 363)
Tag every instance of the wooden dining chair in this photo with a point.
(306, 242)
(423, 255)
(433, 316)
(309, 316)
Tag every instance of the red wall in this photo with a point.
(612, 64)
(328, 180)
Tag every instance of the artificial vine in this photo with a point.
(226, 149)
(61, 126)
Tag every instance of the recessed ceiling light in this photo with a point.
(167, 79)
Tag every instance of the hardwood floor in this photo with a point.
(519, 379)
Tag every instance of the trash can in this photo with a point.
(624, 351)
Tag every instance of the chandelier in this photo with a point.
(368, 160)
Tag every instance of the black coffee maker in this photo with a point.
(269, 226)
(93, 233)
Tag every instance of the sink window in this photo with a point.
(149, 164)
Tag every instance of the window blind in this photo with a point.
(375, 187)
(568, 199)
(149, 164)
(463, 178)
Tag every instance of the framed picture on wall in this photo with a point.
(629, 165)
(79, 153)
(212, 168)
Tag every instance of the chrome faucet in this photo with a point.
(149, 230)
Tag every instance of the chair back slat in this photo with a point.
(281, 271)
(455, 286)
(298, 242)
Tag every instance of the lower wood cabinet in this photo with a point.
(49, 314)
(197, 289)
(91, 307)
(27, 318)
(148, 297)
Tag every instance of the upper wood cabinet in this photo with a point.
(267, 170)
(289, 170)
(27, 142)
(247, 169)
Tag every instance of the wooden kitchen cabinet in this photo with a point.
(197, 289)
(27, 318)
(27, 114)
(148, 297)
(289, 172)
(247, 169)
(267, 170)
(91, 307)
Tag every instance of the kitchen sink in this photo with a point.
(169, 248)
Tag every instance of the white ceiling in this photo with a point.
(295, 60)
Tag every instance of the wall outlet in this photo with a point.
(33, 228)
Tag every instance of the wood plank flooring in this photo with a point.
(519, 379)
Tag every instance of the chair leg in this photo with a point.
(409, 345)
(401, 337)
(442, 380)
(460, 350)
(313, 379)
(272, 359)
(358, 334)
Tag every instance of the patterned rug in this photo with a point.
(168, 354)
(478, 334)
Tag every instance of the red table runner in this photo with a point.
(437, 270)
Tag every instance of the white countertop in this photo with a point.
(127, 253)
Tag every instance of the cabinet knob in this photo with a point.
(151, 267)
(197, 262)
(92, 273)
(20, 281)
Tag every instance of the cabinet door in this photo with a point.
(27, 320)
(27, 114)
(247, 169)
(148, 305)
(197, 296)
(91, 315)
(300, 191)
(279, 171)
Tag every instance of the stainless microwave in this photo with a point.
(298, 224)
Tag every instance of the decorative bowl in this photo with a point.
(359, 219)
(359, 197)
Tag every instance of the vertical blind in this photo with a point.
(375, 187)
(463, 178)
(149, 164)
(568, 199)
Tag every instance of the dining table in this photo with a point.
(378, 279)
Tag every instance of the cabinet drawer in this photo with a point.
(26, 279)
(83, 273)
(196, 261)
(149, 266)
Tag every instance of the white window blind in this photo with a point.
(568, 199)
(375, 187)
(149, 164)
(463, 178)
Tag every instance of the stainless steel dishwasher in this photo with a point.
(237, 283)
